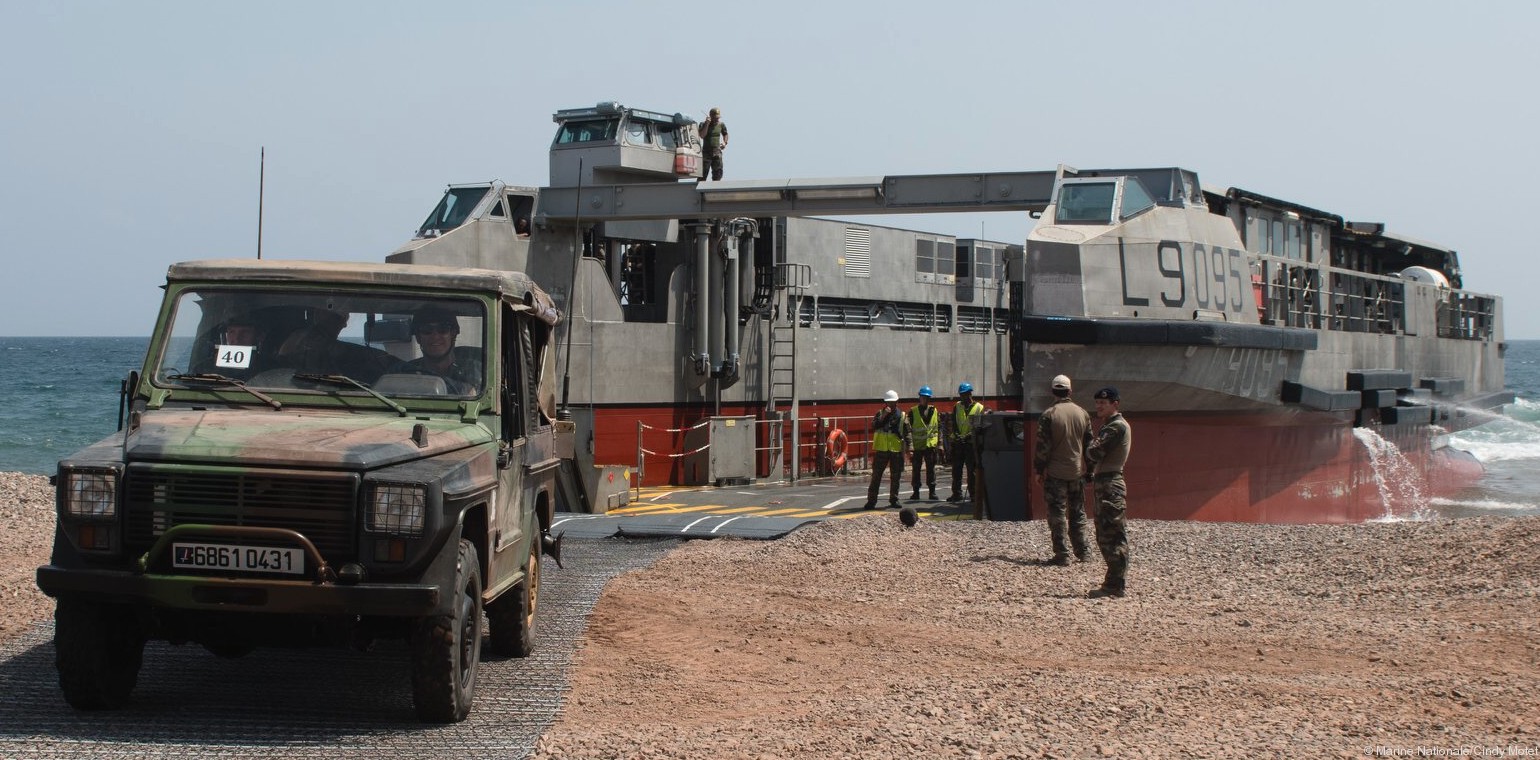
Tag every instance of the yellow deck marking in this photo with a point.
(642, 509)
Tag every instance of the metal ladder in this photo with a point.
(794, 280)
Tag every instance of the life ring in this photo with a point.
(835, 452)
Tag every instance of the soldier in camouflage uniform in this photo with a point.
(1063, 432)
(1106, 456)
(714, 132)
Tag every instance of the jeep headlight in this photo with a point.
(91, 494)
(397, 509)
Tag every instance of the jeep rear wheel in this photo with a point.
(512, 616)
(98, 648)
(447, 648)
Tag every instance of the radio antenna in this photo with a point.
(577, 256)
(261, 190)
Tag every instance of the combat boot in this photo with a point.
(915, 496)
(932, 494)
(1059, 560)
(1114, 592)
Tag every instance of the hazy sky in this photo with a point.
(131, 130)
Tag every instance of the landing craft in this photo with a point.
(1250, 336)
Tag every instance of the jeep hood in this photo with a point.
(306, 438)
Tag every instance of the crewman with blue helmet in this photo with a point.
(964, 459)
(924, 441)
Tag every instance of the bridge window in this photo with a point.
(587, 131)
(1086, 202)
(636, 133)
(1135, 198)
(452, 209)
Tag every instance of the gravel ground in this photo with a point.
(26, 509)
(862, 639)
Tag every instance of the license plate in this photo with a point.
(245, 559)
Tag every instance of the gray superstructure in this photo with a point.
(689, 298)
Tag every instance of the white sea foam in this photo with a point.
(1491, 505)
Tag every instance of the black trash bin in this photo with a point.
(1002, 451)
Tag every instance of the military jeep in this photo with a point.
(317, 454)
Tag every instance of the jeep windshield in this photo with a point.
(280, 340)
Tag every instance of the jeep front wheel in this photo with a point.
(447, 648)
(98, 649)
(512, 617)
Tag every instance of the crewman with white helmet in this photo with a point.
(889, 429)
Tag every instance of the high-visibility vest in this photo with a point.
(923, 433)
(963, 416)
(889, 434)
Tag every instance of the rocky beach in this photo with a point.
(863, 639)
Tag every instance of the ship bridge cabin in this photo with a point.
(610, 144)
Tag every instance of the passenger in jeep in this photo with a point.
(316, 348)
(436, 330)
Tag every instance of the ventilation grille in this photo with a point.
(322, 509)
(858, 252)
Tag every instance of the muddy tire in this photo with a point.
(512, 616)
(99, 648)
(446, 649)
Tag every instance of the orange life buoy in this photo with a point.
(838, 441)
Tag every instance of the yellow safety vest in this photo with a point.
(889, 436)
(963, 415)
(925, 434)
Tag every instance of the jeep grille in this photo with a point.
(320, 507)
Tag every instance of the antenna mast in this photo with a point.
(261, 190)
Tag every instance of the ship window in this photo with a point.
(925, 256)
(1291, 244)
(587, 131)
(636, 133)
(1135, 199)
(964, 261)
(666, 138)
(984, 262)
(497, 210)
(452, 209)
(1086, 202)
(944, 263)
(1276, 247)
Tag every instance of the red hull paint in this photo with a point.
(1263, 468)
(1279, 469)
(615, 434)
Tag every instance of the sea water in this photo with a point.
(58, 395)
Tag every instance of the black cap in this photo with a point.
(1109, 393)
(435, 315)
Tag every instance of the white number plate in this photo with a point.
(248, 559)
